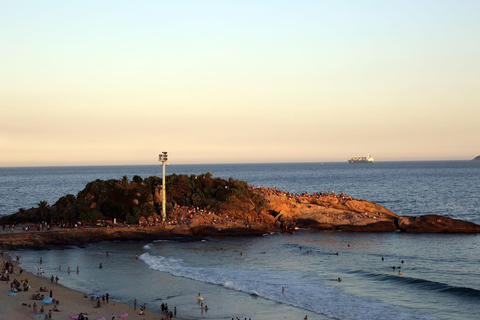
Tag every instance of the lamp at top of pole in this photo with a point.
(163, 156)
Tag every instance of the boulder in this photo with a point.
(435, 224)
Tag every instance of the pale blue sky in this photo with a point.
(114, 82)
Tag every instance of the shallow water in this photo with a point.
(237, 279)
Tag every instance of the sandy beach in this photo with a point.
(71, 302)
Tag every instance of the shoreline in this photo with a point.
(71, 301)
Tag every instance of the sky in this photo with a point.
(118, 82)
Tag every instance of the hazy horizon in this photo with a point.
(221, 163)
(117, 82)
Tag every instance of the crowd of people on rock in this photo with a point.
(300, 196)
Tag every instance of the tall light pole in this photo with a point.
(163, 157)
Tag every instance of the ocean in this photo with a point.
(243, 277)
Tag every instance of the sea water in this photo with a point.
(244, 276)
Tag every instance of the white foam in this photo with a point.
(322, 299)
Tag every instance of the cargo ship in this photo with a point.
(367, 159)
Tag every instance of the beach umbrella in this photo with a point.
(12, 294)
(94, 296)
(100, 318)
(123, 315)
(47, 300)
(73, 316)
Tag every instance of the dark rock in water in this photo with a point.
(477, 158)
(436, 224)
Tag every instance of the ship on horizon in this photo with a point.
(367, 159)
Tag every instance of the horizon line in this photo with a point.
(219, 163)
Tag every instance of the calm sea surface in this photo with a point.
(440, 274)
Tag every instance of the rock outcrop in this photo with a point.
(435, 224)
(248, 212)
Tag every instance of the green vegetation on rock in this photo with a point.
(128, 201)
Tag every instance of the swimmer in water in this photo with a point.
(100, 266)
(339, 279)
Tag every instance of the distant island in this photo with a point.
(200, 206)
(477, 158)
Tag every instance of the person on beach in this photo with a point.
(51, 293)
(52, 278)
(35, 308)
(106, 296)
(56, 279)
(78, 269)
(100, 266)
(107, 253)
(41, 260)
(283, 290)
(135, 304)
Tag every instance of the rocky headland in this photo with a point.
(201, 206)
(477, 158)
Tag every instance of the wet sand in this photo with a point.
(72, 302)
